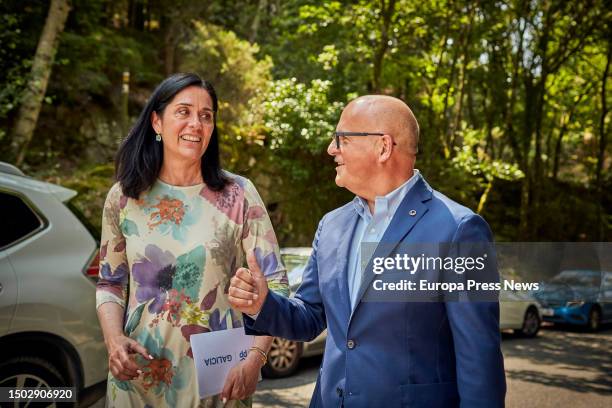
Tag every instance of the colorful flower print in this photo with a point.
(227, 201)
(154, 274)
(164, 375)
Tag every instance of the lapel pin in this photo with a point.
(412, 213)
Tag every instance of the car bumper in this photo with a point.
(569, 315)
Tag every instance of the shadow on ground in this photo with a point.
(570, 348)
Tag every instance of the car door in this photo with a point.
(19, 223)
(8, 293)
(512, 309)
(606, 295)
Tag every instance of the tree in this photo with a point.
(34, 93)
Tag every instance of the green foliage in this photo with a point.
(508, 96)
(230, 63)
(473, 159)
(295, 170)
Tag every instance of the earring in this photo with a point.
(158, 137)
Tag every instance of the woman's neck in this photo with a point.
(181, 174)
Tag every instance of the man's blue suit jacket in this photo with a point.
(393, 354)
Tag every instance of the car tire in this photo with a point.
(594, 322)
(283, 358)
(531, 323)
(30, 371)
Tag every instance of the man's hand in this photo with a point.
(248, 288)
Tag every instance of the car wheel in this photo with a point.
(283, 358)
(35, 372)
(594, 319)
(531, 323)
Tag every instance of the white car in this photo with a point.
(517, 311)
(49, 331)
(520, 312)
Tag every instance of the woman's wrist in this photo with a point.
(256, 358)
(112, 339)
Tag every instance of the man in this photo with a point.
(383, 354)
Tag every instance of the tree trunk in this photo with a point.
(564, 123)
(387, 12)
(33, 95)
(263, 4)
(169, 49)
(603, 140)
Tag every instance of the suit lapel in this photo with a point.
(412, 208)
(346, 224)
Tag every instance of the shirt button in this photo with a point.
(350, 344)
(373, 230)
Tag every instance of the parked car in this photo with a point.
(517, 311)
(49, 331)
(284, 354)
(520, 312)
(578, 297)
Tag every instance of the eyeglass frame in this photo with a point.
(337, 136)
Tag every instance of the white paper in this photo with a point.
(214, 355)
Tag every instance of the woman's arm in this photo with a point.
(242, 380)
(111, 291)
(120, 347)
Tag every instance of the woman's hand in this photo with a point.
(121, 362)
(242, 379)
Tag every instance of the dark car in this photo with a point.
(577, 297)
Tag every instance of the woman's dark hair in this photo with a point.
(140, 156)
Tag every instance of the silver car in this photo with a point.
(49, 332)
(285, 355)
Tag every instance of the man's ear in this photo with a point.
(386, 146)
(156, 122)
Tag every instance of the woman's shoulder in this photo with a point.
(237, 179)
(115, 195)
(240, 182)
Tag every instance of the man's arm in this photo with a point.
(300, 318)
(475, 326)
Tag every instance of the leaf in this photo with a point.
(120, 247)
(134, 319)
(190, 329)
(209, 299)
(256, 212)
(129, 227)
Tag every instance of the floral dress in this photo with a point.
(167, 258)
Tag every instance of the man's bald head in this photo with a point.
(390, 115)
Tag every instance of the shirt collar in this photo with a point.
(388, 203)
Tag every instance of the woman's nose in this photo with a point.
(194, 121)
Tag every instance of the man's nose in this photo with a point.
(332, 149)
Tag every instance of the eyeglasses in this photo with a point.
(337, 136)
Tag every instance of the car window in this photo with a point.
(292, 261)
(578, 278)
(607, 285)
(19, 220)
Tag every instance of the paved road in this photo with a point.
(560, 368)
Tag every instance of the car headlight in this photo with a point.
(575, 303)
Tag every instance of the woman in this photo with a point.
(175, 228)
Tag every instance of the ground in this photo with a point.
(562, 367)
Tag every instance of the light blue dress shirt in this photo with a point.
(371, 228)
